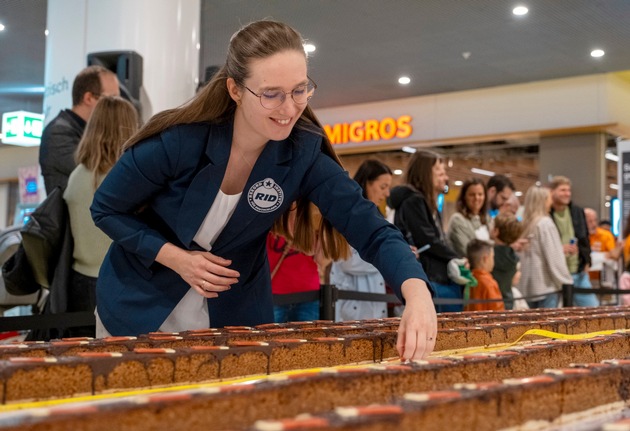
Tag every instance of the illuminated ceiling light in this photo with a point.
(46, 32)
(614, 186)
(482, 172)
(409, 149)
(612, 157)
(1, 27)
(518, 194)
(520, 10)
(398, 172)
(596, 53)
(459, 183)
(309, 47)
(404, 80)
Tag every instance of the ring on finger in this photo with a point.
(203, 284)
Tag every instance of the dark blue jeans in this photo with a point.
(302, 312)
(451, 291)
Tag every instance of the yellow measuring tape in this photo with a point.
(253, 379)
(540, 332)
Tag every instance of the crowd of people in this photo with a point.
(197, 217)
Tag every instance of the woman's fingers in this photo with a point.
(211, 275)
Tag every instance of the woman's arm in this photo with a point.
(141, 173)
(341, 202)
(418, 325)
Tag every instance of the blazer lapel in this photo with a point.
(272, 164)
(206, 183)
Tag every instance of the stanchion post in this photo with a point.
(327, 300)
(567, 295)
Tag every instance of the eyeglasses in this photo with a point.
(271, 99)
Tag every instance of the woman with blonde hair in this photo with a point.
(190, 203)
(113, 121)
(543, 266)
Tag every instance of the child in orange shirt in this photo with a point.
(481, 257)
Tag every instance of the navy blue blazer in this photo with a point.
(161, 190)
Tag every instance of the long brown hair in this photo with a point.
(258, 40)
(462, 206)
(420, 175)
(112, 122)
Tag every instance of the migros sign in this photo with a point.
(369, 130)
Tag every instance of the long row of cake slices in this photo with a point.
(504, 402)
(557, 398)
(383, 333)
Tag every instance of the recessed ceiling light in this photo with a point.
(46, 32)
(597, 53)
(1, 27)
(459, 183)
(518, 194)
(398, 172)
(404, 80)
(520, 10)
(482, 172)
(409, 149)
(309, 47)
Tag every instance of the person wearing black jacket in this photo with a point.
(61, 136)
(571, 224)
(417, 216)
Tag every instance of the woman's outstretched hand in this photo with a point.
(205, 272)
(418, 325)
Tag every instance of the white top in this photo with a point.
(222, 209)
(192, 311)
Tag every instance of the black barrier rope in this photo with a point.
(47, 321)
(328, 295)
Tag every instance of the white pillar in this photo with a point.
(164, 32)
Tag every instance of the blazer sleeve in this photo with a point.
(419, 222)
(139, 174)
(341, 202)
(552, 253)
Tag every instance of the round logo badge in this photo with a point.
(265, 196)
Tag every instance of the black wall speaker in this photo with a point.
(127, 65)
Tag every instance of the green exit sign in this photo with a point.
(22, 128)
